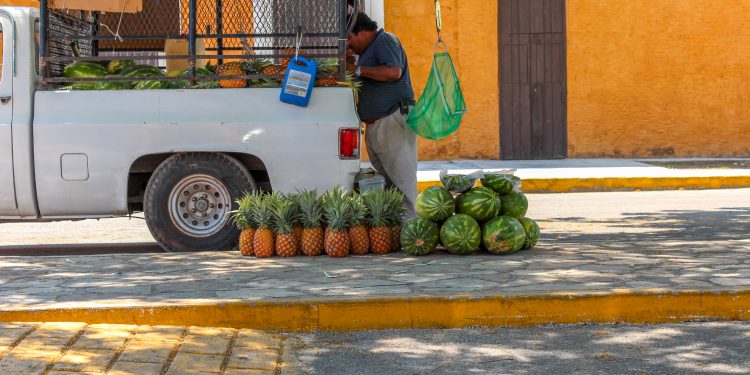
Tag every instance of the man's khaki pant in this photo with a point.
(392, 147)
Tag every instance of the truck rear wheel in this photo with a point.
(189, 199)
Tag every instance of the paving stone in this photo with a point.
(245, 358)
(55, 329)
(244, 371)
(205, 344)
(210, 331)
(85, 360)
(132, 368)
(156, 355)
(23, 366)
(730, 281)
(185, 363)
(254, 339)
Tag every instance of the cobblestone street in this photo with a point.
(78, 348)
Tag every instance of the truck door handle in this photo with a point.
(4, 99)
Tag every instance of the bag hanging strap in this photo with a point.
(438, 19)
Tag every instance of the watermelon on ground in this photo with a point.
(501, 183)
(480, 203)
(515, 204)
(461, 234)
(532, 233)
(435, 203)
(503, 235)
(419, 236)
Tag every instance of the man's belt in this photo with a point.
(403, 106)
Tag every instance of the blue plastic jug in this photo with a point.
(299, 81)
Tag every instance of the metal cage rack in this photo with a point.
(218, 30)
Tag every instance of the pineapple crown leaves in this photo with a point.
(337, 209)
(242, 216)
(310, 207)
(284, 213)
(328, 65)
(377, 208)
(261, 211)
(395, 205)
(358, 210)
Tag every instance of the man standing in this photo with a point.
(384, 101)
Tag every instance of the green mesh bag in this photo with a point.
(441, 107)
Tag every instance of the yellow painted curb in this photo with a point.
(421, 312)
(566, 185)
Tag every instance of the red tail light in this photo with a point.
(349, 143)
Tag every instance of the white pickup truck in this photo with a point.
(182, 156)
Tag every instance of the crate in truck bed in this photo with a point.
(250, 41)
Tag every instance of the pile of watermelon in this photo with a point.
(464, 218)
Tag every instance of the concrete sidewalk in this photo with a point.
(611, 282)
(569, 175)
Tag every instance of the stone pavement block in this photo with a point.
(245, 371)
(104, 336)
(16, 326)
(43, 353)
(56, 329)
(132, 368)
(19, 365)
(8, 340)
(161, 330)
(88, 360)
(254, 339)
(154, 355)
(244, 358)
(55, 372)
(171, 334)
(99, 343)
(185, 363)
(33, 341)
(205, 344)
(211, 331)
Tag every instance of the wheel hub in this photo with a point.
(199, 205)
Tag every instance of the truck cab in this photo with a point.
(183, 155)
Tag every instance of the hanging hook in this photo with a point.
(439, 19)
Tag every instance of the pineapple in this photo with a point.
(263, 242)
(327, 67)
(232, 69)
(358, 234)
(336, 208)
(245, 222)
(298, 229)
(284, 61)
(274, 70)
(380, 234)
(311, 212)
(326, 82)
(396, 213)
(284, 215)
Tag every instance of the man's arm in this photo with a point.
(383, 73)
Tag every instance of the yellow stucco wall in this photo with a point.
(470, 30)
(658, 78)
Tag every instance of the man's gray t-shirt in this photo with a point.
(378, 99)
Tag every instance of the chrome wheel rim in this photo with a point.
(200, 205)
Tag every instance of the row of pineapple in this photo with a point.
(327, 68)
(337, 223)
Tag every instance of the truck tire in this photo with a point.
(189, 199)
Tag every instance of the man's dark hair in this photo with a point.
(364, 23)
